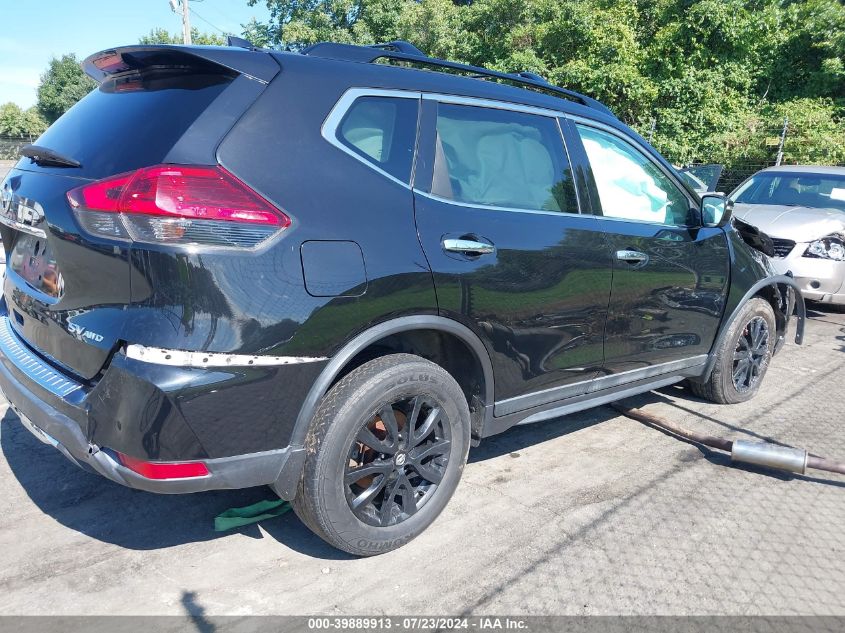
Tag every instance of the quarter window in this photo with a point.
(501, 158)
(382, 131)
(630, 185)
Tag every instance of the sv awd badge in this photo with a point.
(81, 332)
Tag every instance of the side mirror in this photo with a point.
(716, 209)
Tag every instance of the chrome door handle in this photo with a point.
(632, 257)
(467, 247)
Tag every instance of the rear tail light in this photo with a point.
(163, 470)
(112, 63)
(175, 204)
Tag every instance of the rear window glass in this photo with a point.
(382, 130)
(120, 127)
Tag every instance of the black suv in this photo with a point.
(333, 271)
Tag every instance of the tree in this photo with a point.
(62, 85)
(34, 123)
(19, 123)
(163, 36)
(716, 76)
(11, 120)
(260, 34)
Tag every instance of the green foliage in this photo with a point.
(812, 50)
(816, 134)
(62, 85)
(19, 123)
(163, 36)
(714, 78)
(260, 34)
(35, 124)
(11, 120)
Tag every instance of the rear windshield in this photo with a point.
(820, 191)
(132, 123)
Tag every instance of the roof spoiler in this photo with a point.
(125, 59)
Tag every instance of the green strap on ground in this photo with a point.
(236, 517)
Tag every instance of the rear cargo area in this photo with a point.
(68, 283)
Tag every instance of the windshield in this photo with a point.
(820, 191)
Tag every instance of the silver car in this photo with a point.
(802, 208)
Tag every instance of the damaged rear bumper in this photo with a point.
(48, 402)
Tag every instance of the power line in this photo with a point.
(216, 28)
(216, 9)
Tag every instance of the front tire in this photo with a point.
(742, 357)
(385, 451)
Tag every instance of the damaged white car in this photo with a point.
(802, 208)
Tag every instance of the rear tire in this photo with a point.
(385, 451)
(743, 356)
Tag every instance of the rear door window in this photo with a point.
(382, 131)
(501, 158)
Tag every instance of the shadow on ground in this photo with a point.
(133, 519)
(139, 520)
(519, 437)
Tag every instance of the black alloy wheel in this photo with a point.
(384, 454)
(397, 460)
(742, 356)
(751, 354)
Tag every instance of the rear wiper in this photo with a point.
(45, 157)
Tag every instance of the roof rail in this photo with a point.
(404, 51)
(400, 47)
(525, 74)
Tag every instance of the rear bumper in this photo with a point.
(53, 425)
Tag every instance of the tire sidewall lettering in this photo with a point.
(406, 380)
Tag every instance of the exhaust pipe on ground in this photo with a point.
(795, 460)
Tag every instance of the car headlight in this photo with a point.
(830, 247)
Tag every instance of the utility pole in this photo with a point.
(186, 23)
(185, 12)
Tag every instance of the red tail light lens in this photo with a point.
(111, 63)
(100, 196)
(163, 470)
(177, 204)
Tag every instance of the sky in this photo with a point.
(34, 31)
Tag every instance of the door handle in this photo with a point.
(467, 247)
(632, 257)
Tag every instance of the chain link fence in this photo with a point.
(744, 151)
